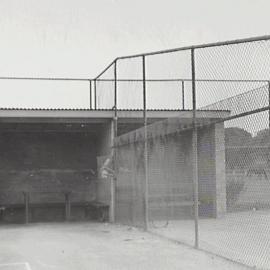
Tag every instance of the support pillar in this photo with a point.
(26, 206)
(67, 206)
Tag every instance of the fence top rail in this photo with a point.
(136, 80)
(106, 68)
(187, 80)
(200, 46)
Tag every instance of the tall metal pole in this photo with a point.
(183, 95)
(114, 154)
(90, 94)
(195, 151)
(115, 96)
(95, 93)
(146, 203)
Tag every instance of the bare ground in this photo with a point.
(81, 246)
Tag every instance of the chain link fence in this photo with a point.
(203, 177)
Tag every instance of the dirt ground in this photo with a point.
(81, 246)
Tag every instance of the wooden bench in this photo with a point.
(101, 210)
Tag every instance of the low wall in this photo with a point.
(170, 175)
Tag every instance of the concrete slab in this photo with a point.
(99, 246)
(240, 236)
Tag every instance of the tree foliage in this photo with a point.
(235, 136)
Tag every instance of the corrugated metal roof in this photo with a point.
(86, 109)
(82, 109)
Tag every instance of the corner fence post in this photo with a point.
(195, 151)
(114, 154)
(146, 187)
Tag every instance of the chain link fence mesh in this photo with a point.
(201, 176)
(232, 122)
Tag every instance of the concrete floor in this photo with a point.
(81, 246)
(240, 236)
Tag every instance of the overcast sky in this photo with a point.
(78, 38)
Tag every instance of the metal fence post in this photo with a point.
(269, 106)
(90, 94)
(183, 95)
(115, 96)
(95, 93)
(114, 135)
(146, 206)
(195, 151)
